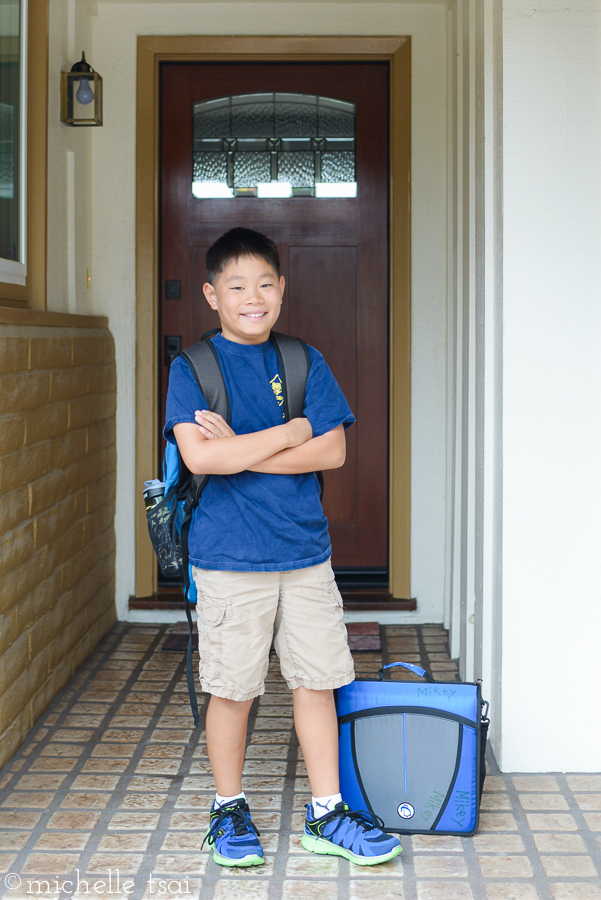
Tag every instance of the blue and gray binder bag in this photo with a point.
(412, 753)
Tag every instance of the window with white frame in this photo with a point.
(13, 143)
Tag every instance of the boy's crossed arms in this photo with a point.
(287, 449)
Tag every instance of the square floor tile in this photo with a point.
(575, 891)
(537, 783)
(568, 866)
(549, 822)
(158, 767)
(440, 866)
(312, 866)
(498, 843)
(69, 750)
(587, 801)
(494, 783)
(52, 764)
(7, 861)
(495, 800)
(29, 800)
(300, 890)
(559, 843)
(164, 751)
(543, 801)
(175, 842)
(511, 891)
(72, 735)
(505, 866)
(121, 749)
(105, 765)
(19, 819)
(63, 840)
(13, 840)
(376, 890)
(143, 801)
(124, 843)
(227, 889)
(439, 890)
(133, 821)
(50, 863)
(95, 783)
(121, 735)
(143, 783)
(593, 820)
(497, 822)
(584, 782)
(81, 820)
(180, 864)
(192, 821)
(124, 863)
(436, 842)
(86, 801)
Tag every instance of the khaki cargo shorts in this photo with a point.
(240, 613)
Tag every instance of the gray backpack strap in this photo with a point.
(294, 362)
(206, 368)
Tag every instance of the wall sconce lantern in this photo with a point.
(81, 95)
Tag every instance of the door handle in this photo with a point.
(173, 348)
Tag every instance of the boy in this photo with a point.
(260, 551)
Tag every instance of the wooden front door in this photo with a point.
(334, 251)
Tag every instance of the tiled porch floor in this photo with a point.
(113, 777)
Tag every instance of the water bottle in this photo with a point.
(154, 491)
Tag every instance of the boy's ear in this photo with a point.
(282, 285)
(210, 294)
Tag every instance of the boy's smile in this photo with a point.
(247, 295)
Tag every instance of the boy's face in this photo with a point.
(248, 297)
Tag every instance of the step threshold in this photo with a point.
(377, 599)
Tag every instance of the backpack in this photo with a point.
(169, 521)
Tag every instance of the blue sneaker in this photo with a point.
(357, 836)
(233, 836)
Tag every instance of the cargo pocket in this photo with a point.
(211, 616)
(336, 599)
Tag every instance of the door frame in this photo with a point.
(151, 52)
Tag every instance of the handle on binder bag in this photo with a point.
(413, 668)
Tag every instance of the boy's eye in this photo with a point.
(267, 284)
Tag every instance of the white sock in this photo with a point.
(221, 801)
(323, 805)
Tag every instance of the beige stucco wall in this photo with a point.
(57, 489)
(114, 32)
(69, 167)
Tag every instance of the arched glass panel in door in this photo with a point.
(274, 145)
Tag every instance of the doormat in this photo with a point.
(180, 642)
(364, 636)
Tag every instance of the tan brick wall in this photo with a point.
(57, 504)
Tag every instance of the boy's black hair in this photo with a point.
(239, 242)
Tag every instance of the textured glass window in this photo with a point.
(274, 145)
(12, 144)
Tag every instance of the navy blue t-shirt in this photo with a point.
(251, 521)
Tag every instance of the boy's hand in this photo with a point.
(300, 431)
(212, 425)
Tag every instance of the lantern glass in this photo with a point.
(81, 98)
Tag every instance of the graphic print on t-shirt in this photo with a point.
(276, 384)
